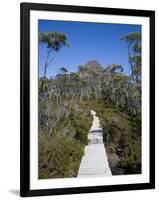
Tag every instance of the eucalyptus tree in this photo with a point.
(53, 42)
(63, 70)
(110, 84)
(63, 77)
(114, 68)
(133, 41)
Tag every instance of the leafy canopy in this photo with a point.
(54, 40)
(114, 68)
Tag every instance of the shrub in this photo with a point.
(121, 135)
(82, 126)
(62, 138)
(59, 156)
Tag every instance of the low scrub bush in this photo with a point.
(121, 135)
(62, 139)
(59, 156)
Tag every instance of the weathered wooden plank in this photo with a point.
(95, 162)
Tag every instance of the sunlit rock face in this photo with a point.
(90, 69)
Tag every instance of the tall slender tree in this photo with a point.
(53, 42)
(133, 41)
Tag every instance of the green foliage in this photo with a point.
(81, 123)
(59, 156)
(64, 111)
(114, 68)
(132, 37)
(63, 70)
(62, 137)
(130, 158)
(122, 136)
(53, 40)
(133, 41)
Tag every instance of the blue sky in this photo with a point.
(88, 41)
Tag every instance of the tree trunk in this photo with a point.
(42, 85)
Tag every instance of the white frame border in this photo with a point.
(82, 182)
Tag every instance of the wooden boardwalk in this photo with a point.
(95, 162)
